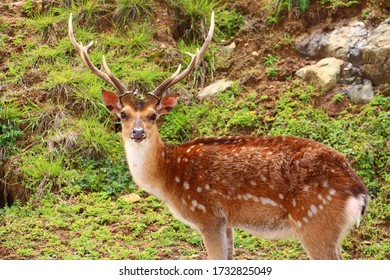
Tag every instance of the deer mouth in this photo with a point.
(138, 139)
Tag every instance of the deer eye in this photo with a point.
(123, 115)
(153, 117)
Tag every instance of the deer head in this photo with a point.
(138, 117)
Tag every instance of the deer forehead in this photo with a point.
(139, 108)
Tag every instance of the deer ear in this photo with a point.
(111, 100)
(167, 103)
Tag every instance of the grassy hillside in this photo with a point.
(64, 182)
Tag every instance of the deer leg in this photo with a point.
(322, 242)
(230, 243)
(215, 240)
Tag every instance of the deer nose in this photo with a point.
(138, 133)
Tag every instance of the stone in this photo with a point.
(336, 43)
(349, 73)
(369, 50)
(375, 54)
(131, 197)
(360, 91)
(324, 74)
(214, 88)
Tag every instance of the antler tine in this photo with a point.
(83, 52)
(164, 85)
(119, 85)
(195, 58)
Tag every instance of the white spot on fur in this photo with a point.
(281, 196)
(199, 189)
(306, 188)
(309, 213)
(299, 224)
(320, 197)
(183, 201)
(207, 187)
(177, 179)
(263, 178)
(294, 202)
(313, 209)
(268, 201)
(239, 196)
(332, 191)
(202, 208)
(320, 207)
(163, 154)
(328, 197)
(253, 182)
(305, 220)
(325, 184)
(178, 159)
(185, 159)
(186, 185)
(194, 203)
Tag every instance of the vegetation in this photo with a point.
(62, 163)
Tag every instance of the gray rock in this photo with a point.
(349, 73)
(375, 54)
(214, 88)
(336, 43)
(360, 92)
(324, 74)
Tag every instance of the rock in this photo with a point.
(225, 54)
(228, 50)
(349, 73)
(342, 39)
(336, 43)
(131, 197)
(255, 54)
(214, 88)
(323, 74)
(353, 42)
(360, 91)
(375, 54)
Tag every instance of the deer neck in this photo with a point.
(146, 165)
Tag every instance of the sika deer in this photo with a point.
(271, 186)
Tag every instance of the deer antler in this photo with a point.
(83, 52)
(195, 58)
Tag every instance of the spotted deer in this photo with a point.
(273, 187)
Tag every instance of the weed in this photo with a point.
(131, 10)
(270, 59)
(272, 71)
(29, 8)
(338, 97)
(334, 4)
(194, 15)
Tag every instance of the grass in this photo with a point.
(59, 143)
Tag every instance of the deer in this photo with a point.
(270, 186)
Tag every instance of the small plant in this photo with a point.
(270, 59)
(194, 17)
(29, 8)
(229, 22)
(334, 4)
(338, 97)
(130, 10)
(272, 71)
(279, 6)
